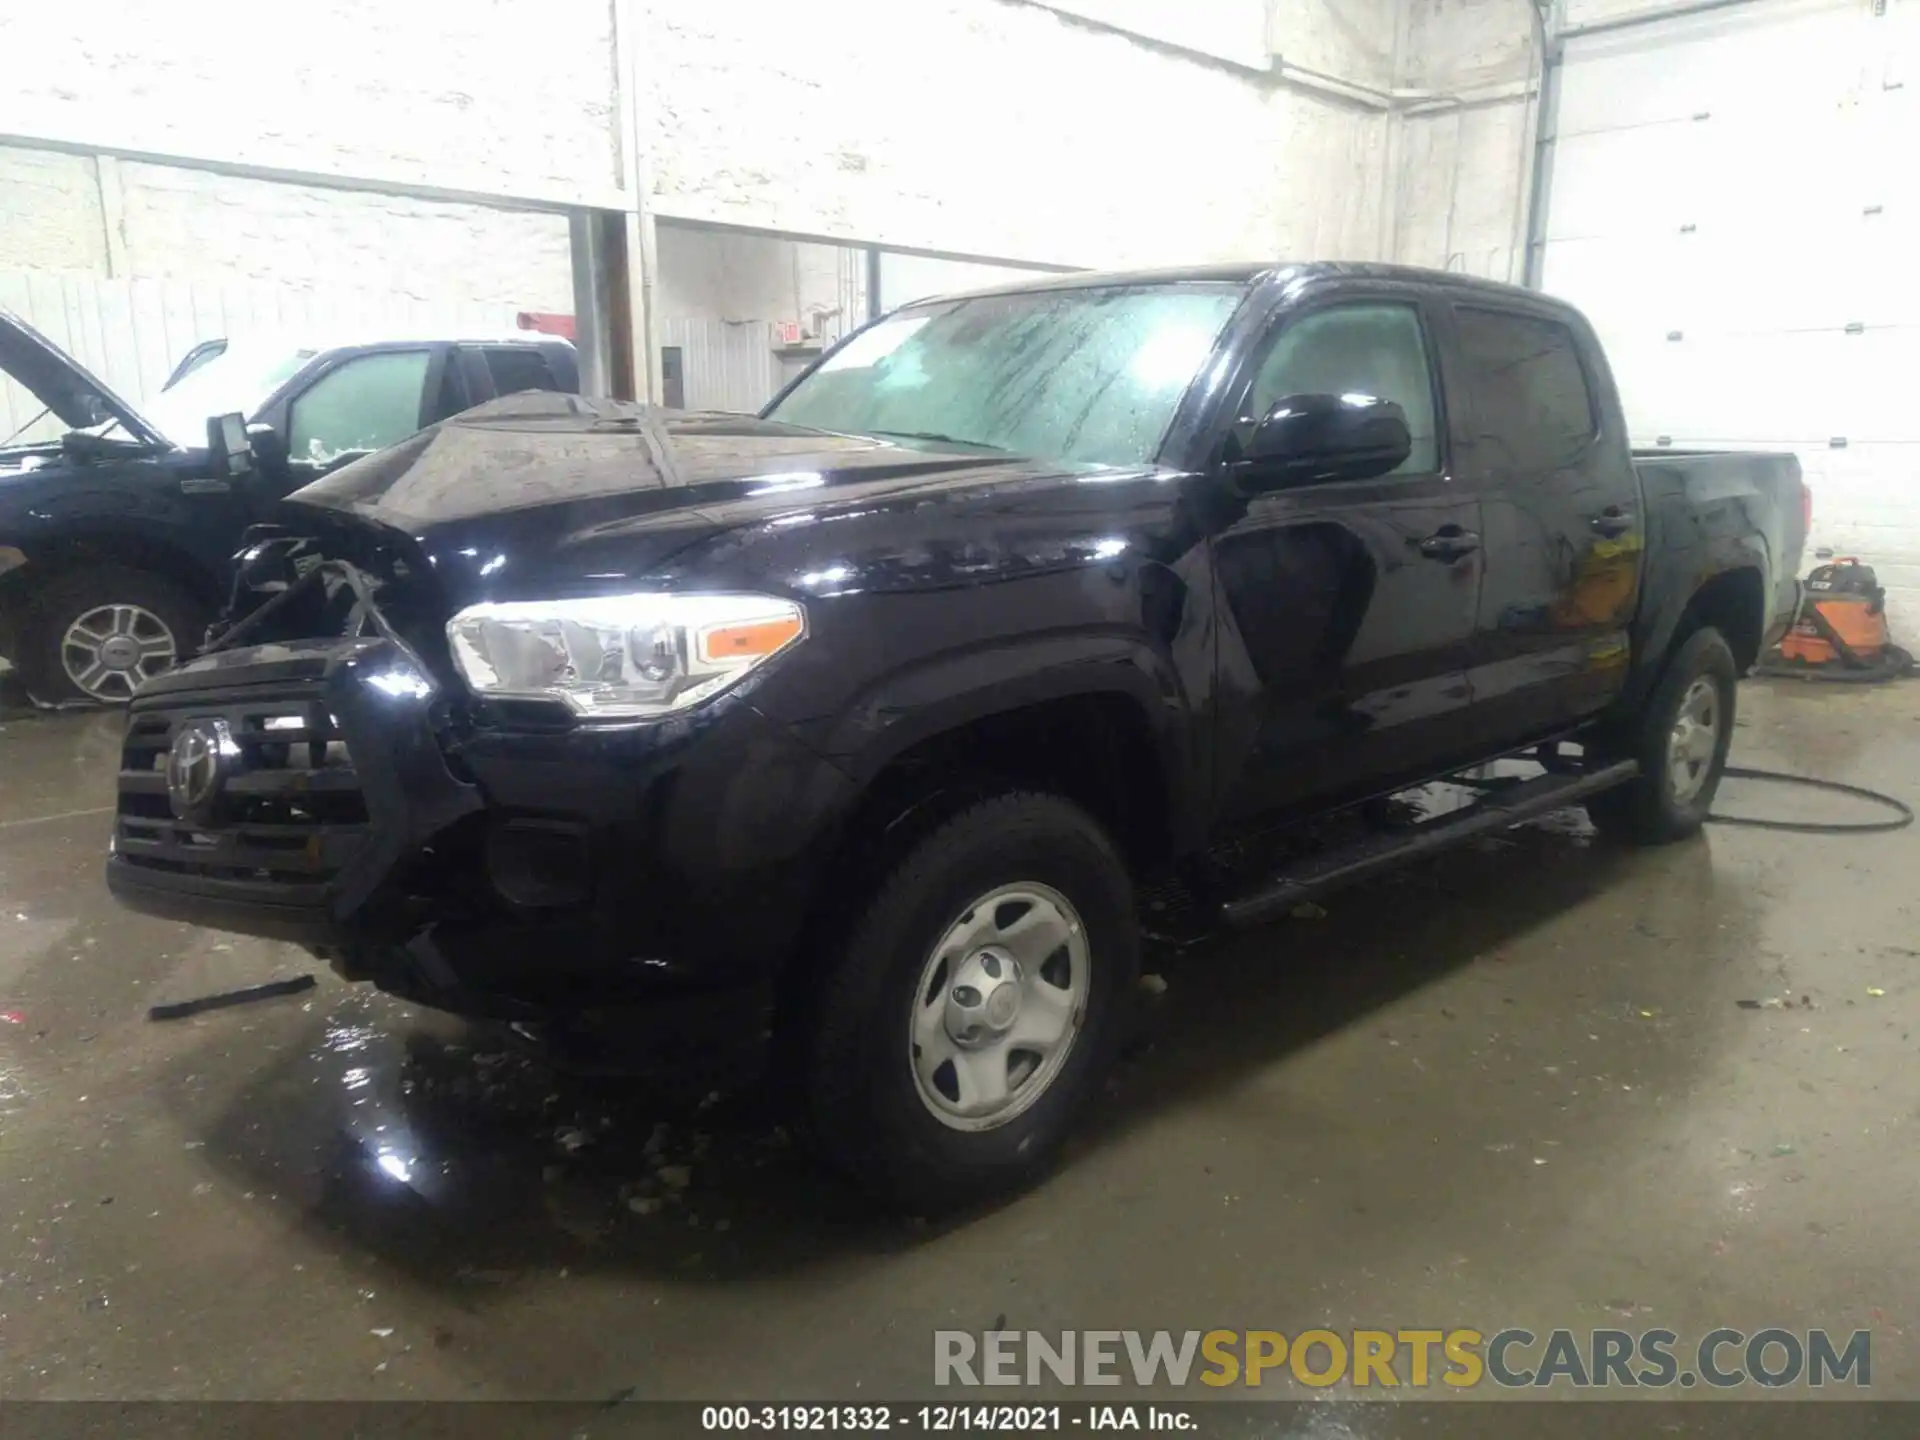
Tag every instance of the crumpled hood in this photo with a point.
(62, 384)
(537, 489)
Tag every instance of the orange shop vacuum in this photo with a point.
(1841, 632)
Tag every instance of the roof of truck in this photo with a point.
(1235, 273)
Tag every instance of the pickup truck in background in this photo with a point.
(118, 528)
(864, 724)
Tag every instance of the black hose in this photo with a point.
(1809, 827)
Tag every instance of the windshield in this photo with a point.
(240, 378)
(1088, 375)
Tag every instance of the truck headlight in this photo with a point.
(620, 657)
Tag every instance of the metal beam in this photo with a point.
(874, 310)
(593, 330)
(1547, 134)
(463, 188)
(663, 213)
(1653, 17)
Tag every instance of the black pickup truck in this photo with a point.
(118, 528)
(862, 724)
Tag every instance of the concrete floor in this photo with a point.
(1510, 1087)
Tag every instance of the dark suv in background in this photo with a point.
(118, 526)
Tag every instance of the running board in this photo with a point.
(1376, 853)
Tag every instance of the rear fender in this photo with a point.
(1672, 583)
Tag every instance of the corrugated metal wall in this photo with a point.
(728, 365)
(131, 333)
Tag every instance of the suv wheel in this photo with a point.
(1681, 739)
(976, 1006)
(101, 632)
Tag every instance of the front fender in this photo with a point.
(956, 688)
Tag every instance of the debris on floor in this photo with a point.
(181, 1009)
(676, 1177)
(1307, 910)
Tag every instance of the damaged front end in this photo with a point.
(320, 775)
(293, 781)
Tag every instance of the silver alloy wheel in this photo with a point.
(1694, 740)
(1000, 1002)
(112, 648)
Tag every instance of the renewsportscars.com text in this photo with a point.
(1461, 1359)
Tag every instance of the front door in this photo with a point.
(1348, 606)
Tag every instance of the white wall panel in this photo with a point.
(1743, 180)
(724, 366)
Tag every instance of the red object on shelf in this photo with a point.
(547, 324)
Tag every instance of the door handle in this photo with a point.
(1449, 543)
(1612, 521)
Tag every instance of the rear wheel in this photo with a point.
(101, 632)
(1680, 738)
(974, 1009)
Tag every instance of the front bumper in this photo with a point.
(478, 863)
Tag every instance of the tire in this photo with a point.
(1674, 791)
(874, 1104)
(162, 624)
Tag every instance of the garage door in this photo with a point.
(1735, 204)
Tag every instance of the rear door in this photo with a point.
(1348, 606)
(1548, 454)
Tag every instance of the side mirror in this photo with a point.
(227, 446)
(1306, 439)
(268, 448)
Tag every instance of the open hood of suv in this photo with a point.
(60, 383)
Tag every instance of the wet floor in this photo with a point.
(1514, 1086)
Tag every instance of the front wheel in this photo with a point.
(975, 1008)
(1680, 738)
(100, 632)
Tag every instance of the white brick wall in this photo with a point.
(518, 91)
(990, 127)
(1357, 40)
(996, 129)
(64, 212)
(50, 213)
(1233, 30)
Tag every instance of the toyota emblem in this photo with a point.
(196, 767)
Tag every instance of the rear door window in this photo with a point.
(1531, 406)
(515, 369)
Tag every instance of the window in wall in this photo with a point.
(1532, 410)
(673, 377)
(1356, 349)
(365, 404)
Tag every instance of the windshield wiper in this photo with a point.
(937, 438)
